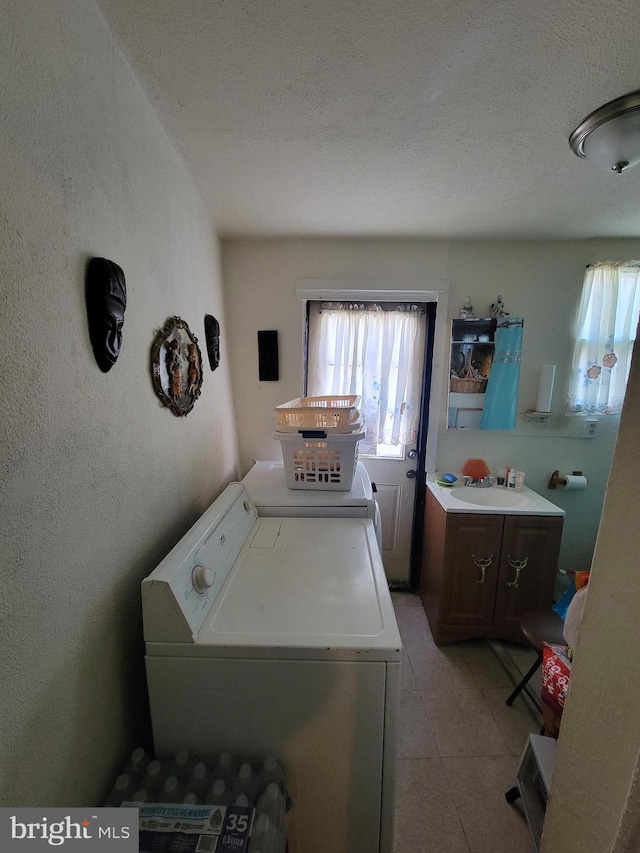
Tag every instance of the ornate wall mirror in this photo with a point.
(176, 366)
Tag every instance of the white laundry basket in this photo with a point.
(318, 459)
(337, 411)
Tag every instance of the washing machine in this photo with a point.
(277, 636)
(267, 488)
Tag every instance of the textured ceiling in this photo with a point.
(379, 118)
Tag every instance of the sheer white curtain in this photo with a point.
(363, 349)
(606, 330)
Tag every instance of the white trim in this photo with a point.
(368, 289)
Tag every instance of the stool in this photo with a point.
(538, 627)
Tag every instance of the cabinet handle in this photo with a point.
(518, 565)
(483, 564)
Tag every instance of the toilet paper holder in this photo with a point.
(556, 479)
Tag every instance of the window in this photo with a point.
(606, 330)
(376, 351)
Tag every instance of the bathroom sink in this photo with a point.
(494, 496)
(495, 499)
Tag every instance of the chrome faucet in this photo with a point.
(483, 483)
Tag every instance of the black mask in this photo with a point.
(212, 335)
(106, 294)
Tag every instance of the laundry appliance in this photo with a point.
(267, 487)
(277, 636)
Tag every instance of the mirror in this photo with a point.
(471, 356)
(484, 373)
(176, 366)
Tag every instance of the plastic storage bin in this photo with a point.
(319, 460)
(337, 412)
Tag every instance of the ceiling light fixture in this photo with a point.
(609, 137)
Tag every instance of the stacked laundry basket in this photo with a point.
(319, 438)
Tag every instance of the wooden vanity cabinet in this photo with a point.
(480, 572)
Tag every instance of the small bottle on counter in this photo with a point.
(511, 478)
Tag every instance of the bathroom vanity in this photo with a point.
(489, 555)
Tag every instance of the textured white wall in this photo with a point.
(98, 480)
(540, 280)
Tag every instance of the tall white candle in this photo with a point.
(545, 387)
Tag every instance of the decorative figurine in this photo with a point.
(106, 297)
(193, 369)
(497, 309)
(466, 312)
(212, 335)
(174, 368)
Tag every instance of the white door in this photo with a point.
(396, 496)
(377, 351)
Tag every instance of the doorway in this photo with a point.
(382, 351)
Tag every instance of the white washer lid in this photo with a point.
(267, 486)
(301, 584)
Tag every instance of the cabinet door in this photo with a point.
(471, 563)
(528, 566)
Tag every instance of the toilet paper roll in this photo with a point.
(573, 482)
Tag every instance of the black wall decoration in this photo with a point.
(268, 356)
(106, 296)
(212, 336)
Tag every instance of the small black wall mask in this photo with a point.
(212, 335)
(106, 294)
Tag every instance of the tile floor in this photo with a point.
(459, 745)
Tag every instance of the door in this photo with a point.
(471, 564)
(528, 566)
(377, 350)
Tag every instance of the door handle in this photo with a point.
(518, 565)
(483, 564)
(412, 474)
(412, 454)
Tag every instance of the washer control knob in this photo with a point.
(202, 578)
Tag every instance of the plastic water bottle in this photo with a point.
(218, 795)
(198, 779)
(190, 799)
(181, 765)
(141, 796)
(246, 782)
(265, 837)
(152, 780)
(272, 804)
(121, 790)
(138, 763)
(241, 800)
(172, 791)
(260, 833)
(224, 768)
(271, 771)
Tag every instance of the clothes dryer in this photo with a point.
(267, 488)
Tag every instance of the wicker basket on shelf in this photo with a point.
(468, 381)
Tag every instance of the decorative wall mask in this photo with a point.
(212, 335)
(176, 366)
(106, 295)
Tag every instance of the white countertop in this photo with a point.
(495, 500)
